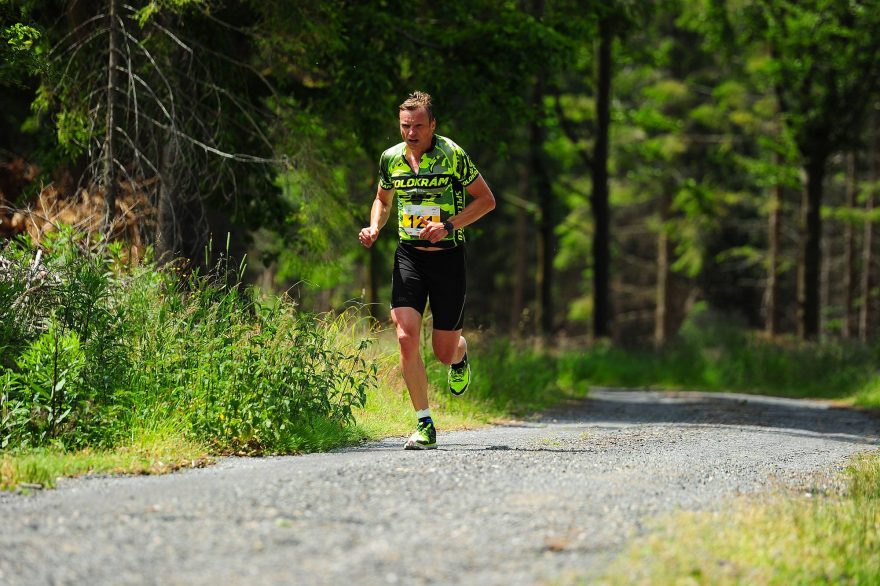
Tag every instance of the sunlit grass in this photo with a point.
(389, 412)
(151, 451)
(735, 360)
(803, 538)
(868, 395)
(508, 381)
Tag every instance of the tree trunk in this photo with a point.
(867, 281)
(168, 241)
(811, 255)
(849, 249)
(542, 190)
(865, 313)
(111, 185)
(824, 281)
(772, 324)
(519, 272)
(546, 240)
(599, 196)
(664, 253)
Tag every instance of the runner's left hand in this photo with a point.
(433, 232)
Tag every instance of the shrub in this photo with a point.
(91, 350)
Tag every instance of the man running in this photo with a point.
(429, 174)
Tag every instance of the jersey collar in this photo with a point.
(433, 146)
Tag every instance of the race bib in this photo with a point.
(417, 217)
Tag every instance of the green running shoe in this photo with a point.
(459, 378)
(425, 438)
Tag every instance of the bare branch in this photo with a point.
(240, 157)
(98, 33)
(155, 65)
(63, 40)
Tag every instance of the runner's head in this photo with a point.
(417, 122)
(418, 100)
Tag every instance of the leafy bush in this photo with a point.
(46, 393)
(92, 350)
(250, 379)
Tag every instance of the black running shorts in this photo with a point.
(435, 275)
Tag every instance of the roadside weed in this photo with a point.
(780, 539)
(92, 348)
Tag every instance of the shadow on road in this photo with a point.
(613, 409)
(788, 416)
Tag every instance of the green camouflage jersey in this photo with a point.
(433, 194)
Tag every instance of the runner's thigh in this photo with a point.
(408, 285)
(447, 289)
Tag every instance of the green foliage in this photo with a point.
(92, 350)
(45, 392)
(22, 54)
(253, 377)
(251, 383)
(819, 57)
(155, 7)
(63, 341)
(864, 478)
(714, 354)
(699, 137)
(74, 128)
(512, 379)
(21, 37)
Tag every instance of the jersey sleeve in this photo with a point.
(465, 170)
(384, 175)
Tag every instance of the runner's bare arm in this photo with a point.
(378, 216)
(482, 203)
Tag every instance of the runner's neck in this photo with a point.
(413, 159)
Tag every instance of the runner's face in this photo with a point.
(416, 129)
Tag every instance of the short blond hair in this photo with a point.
(418, 100)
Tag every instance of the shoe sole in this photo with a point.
(409, 446)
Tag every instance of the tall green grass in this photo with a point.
(92, 350)
(509, 380)
(712, 354)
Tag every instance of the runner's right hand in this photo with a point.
(368, 235)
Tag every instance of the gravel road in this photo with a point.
(528, 503)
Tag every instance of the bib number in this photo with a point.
(417, 217)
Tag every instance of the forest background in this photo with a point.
(648, 158)
(686, 199)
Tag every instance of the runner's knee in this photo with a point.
(409, 343)
(445, 354)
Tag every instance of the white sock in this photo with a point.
(421, 414)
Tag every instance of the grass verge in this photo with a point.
(803, 538)
(152, 453)
(510, 381)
